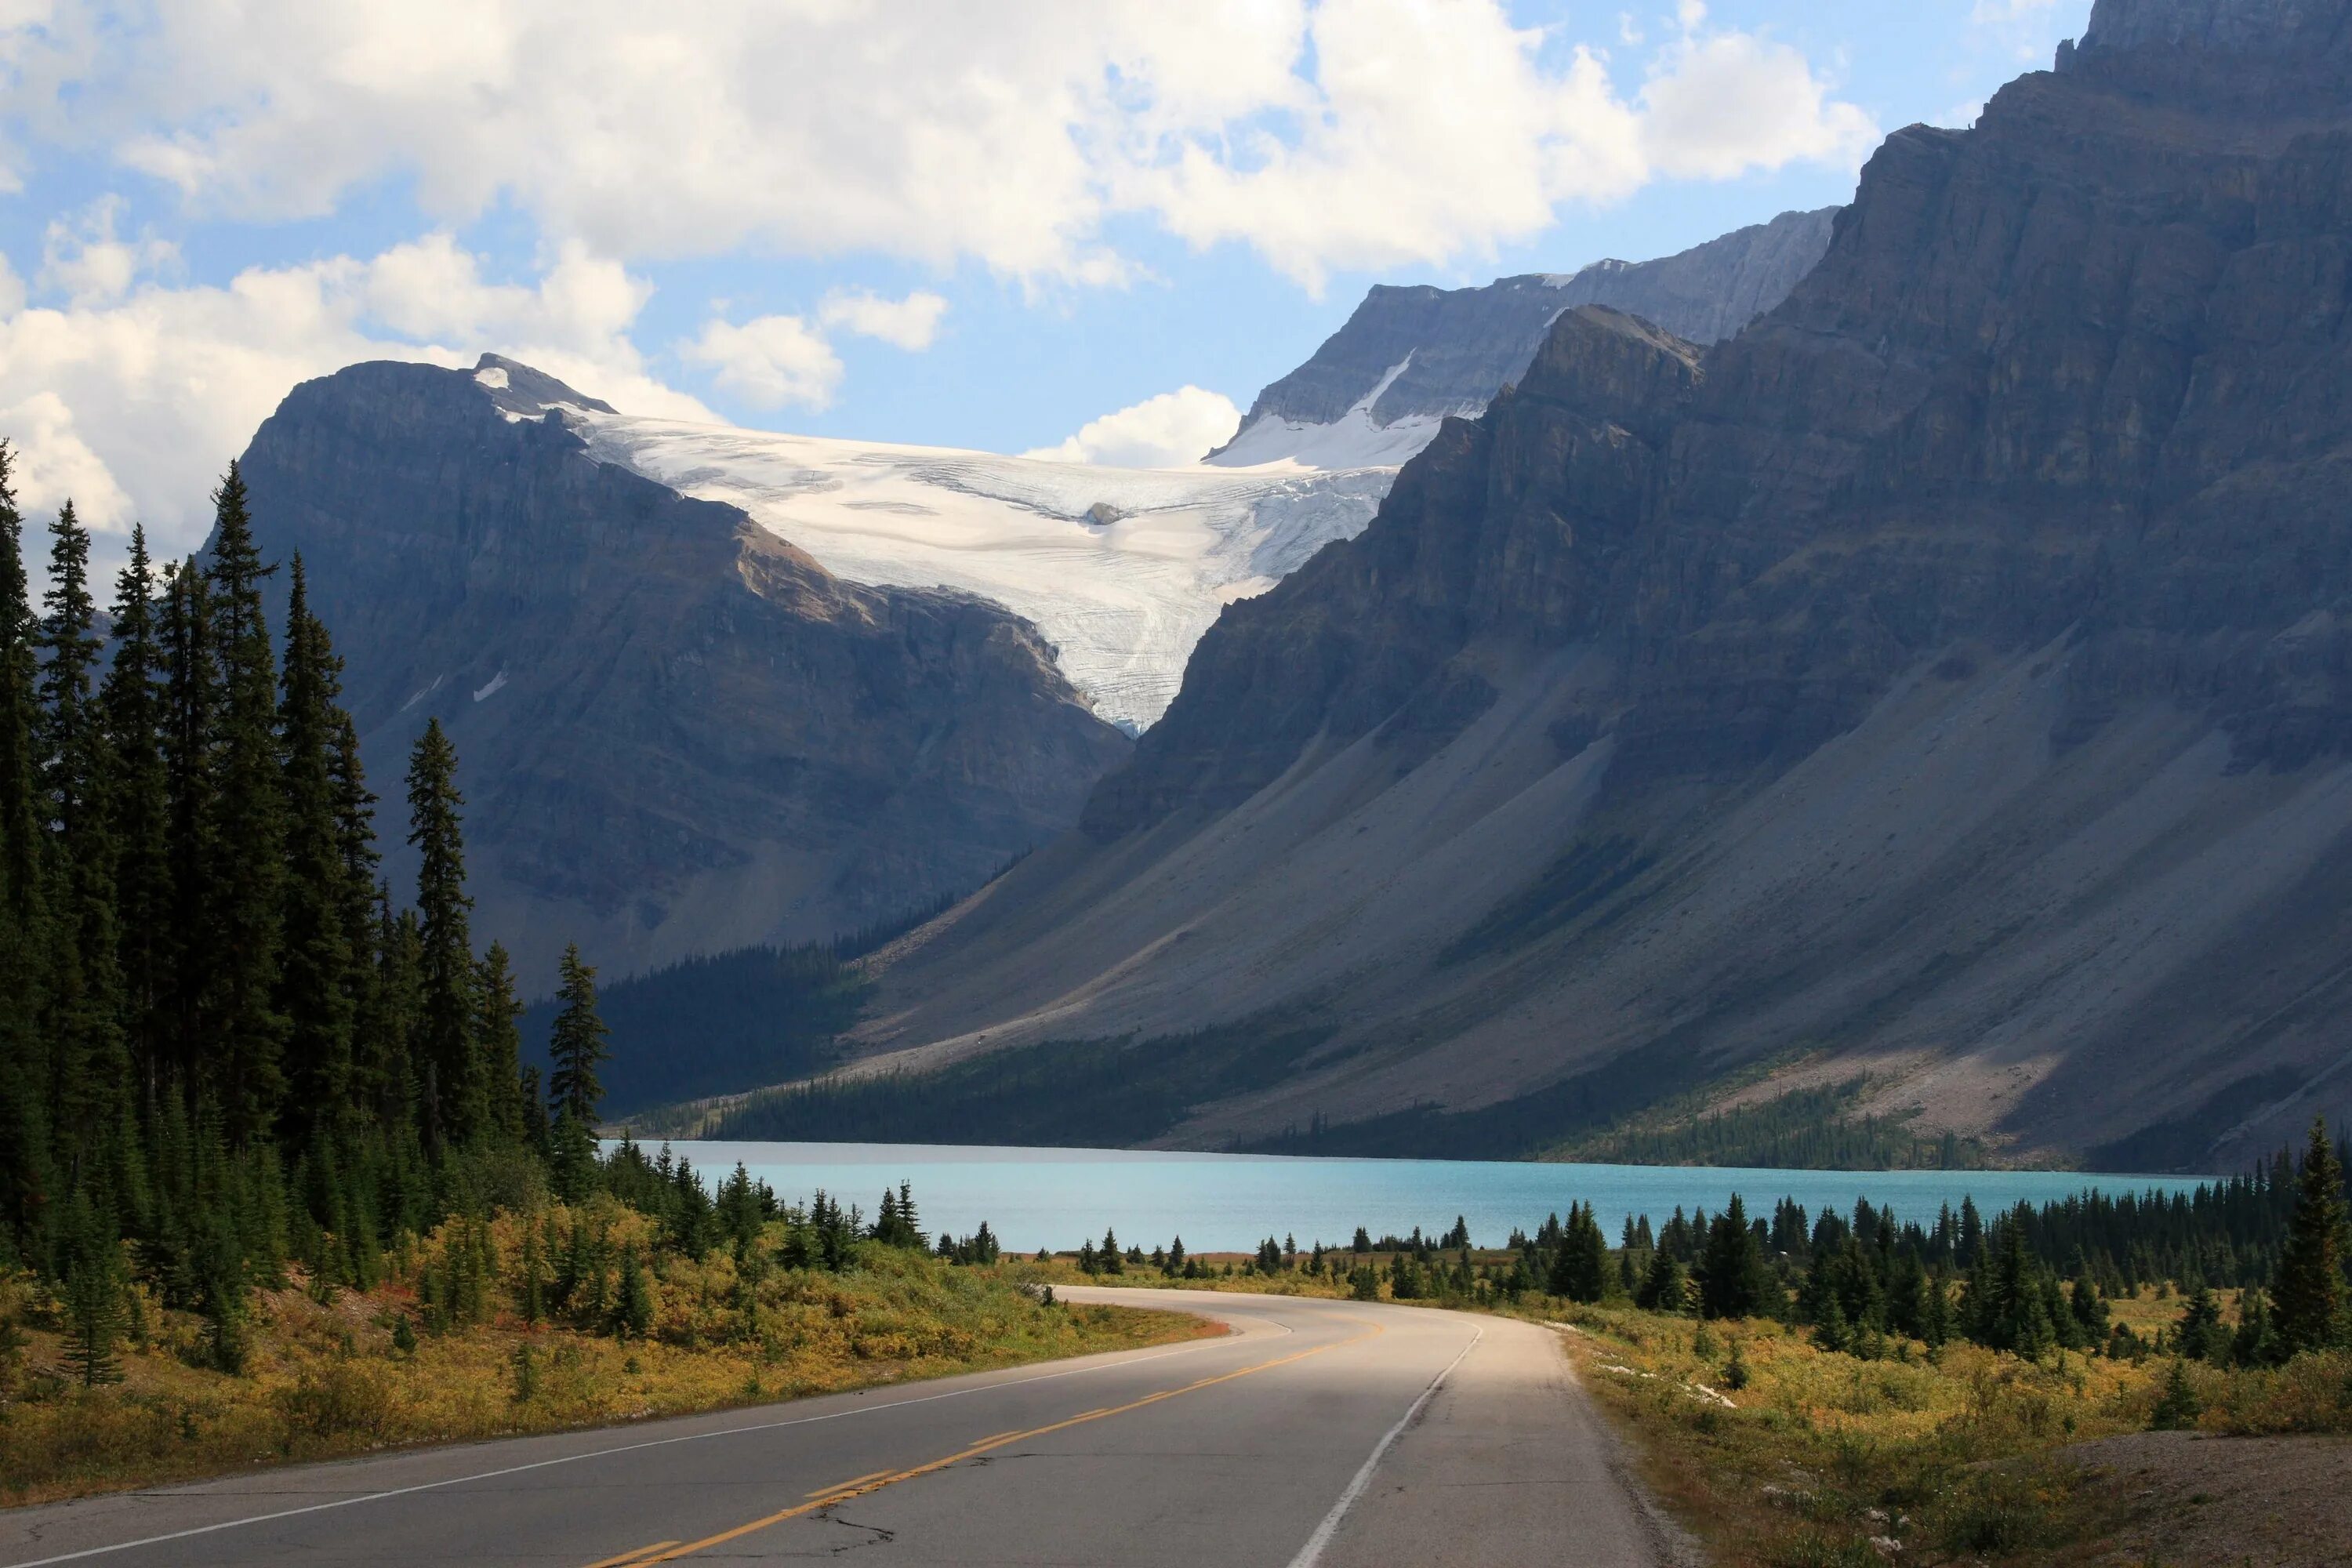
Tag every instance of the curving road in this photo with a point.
(1318, 1433)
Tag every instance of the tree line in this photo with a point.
(225, 1042)
(2028, 1281)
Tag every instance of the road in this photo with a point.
(1317, 1435)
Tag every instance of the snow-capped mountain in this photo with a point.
(1122, 569)
(1409, 358)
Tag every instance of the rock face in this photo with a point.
(1948, 679)
(677, 732)
(1418, 354)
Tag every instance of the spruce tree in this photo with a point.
(26, 1177)
(245, 1034)
(1734, 1279)
(499, 1042)
(577, 1046)
(2308, 1289)
(90, 1102)
(139, 814)
(457, 1091)
(318, 981)
(191, 720)
(95, 1284)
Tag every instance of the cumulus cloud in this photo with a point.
(1172, 430)
(910, 324)
(1718, 105)
(133, 403)
(82, 258)
(1335, 133)
(770, 361)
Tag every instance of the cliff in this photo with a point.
(677, 731)
(1946, 680)
(1413, 355)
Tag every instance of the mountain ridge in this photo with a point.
(594, 643)
(1940, 681)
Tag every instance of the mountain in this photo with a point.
(1121, 569)
(720, 687)
(678, 734)
(1411, 357)
(1945, 682)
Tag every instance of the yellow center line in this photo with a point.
(631, 1556)
(875, 1483)
(827, 1491)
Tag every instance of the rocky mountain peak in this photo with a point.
(2199, 50)
(519, 389)
(1945, 679)
(678, 734)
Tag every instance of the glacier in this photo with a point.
(1121, 569)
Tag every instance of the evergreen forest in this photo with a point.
(226, 1042)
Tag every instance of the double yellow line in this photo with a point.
(864, 1486)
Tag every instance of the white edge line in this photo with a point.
(1312, 1552)
(593, 1454)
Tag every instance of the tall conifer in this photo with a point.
(499, 1042)
(2309, 1288)
(577, 1048)
(90, 1098)
(317, 981)
(191, 715)
(24, 1075)
(138, 812)
(246, 1036)
(457, 1093)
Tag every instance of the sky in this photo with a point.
(1092, 228)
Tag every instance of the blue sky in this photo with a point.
(933, 221)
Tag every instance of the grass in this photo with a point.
(325, 1378)
(1952, 1456)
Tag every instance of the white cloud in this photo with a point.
(770, 361)
(134, 405)
(1335, 133)
(910, 324)
(1172, 430)
(1718, 105)
(1993, 12)
(81, 257)
(55, 464)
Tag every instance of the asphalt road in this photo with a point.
(1327, 1433)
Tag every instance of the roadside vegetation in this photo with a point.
(1835, 1390)
(548, 1316)
(276, 1179)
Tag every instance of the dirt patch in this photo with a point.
(2190, 1499)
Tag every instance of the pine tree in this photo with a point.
(1734, 1279)
(2308, 1288)
(1662, 1288)
(632, 1301)
(499, 1042)
(456, 1090)
(90, 1102)
(245, 1035)
(191, 718)
(139, 814)
(95, 1284)
(1580, 1268)
(577, 1047)
(26, 1177)
(319, 981)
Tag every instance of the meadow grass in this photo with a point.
(326, 1378)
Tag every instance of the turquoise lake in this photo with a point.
(1225, 1203)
